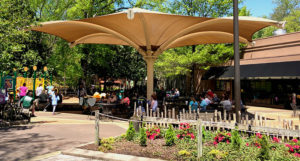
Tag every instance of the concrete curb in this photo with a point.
(105, 156)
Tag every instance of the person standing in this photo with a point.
(23, 90)
(39, 90)
(153, 104)
(54, 101)
(49, 89)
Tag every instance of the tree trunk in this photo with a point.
(198, 73)
(188, 84)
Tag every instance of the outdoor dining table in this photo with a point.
(109, 108)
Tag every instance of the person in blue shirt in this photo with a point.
(193, 104)
(203, 104)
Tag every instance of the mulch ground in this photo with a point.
(154, 149)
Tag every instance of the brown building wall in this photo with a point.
(283, 48)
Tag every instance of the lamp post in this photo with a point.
(51, 79)
(1, 79)
(25, 74)
(14, 83)
(45, 70)
(237, 80)
(34, 77)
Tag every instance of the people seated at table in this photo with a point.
(126, 101)
(193, 104)
(208, 99)
(227, 105)
(210, 93)
(215, 101)
(153, 103)
(113, 98)
(141, 102)
(203, 104)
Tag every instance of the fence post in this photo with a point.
(134, 108)
(173, 113)
(147, 110)
(165, 110)
(97, 128)
(199, 147)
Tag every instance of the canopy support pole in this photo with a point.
(237, 79)
(150, 60)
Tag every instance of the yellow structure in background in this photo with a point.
(29, 82)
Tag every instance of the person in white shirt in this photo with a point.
(39, 90)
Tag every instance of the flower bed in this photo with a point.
(216, 145)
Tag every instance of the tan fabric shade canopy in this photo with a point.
(151, 32)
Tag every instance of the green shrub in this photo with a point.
(170, 136)
(236, 140)
(106, 144)
(130, 133)
(143, 136)
(264, 153)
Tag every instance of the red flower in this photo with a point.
(215, 143)
(227, 141)
(259, 135)
(288, 145)
(296, 146)
(228, 134)
(291, 150)
(178, 136)
(297, 155)
(151, 137)
(247, 144)
(192, 136)
(275, 139)
(157, 130)
(258, 147)
(295, 140)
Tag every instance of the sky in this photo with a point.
(259, 8)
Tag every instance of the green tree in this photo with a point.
(15, 51)
(193, 61)
(284, 8)
(293, 21)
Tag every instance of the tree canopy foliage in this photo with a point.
(20, 48)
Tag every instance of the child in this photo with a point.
(54, 100)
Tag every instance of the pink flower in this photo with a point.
(228, 134)
(192, 136)
(258, 147)
(215, 143)
(151, 137)
(297, 155)
(178, 136)
(157, 130)
(291, 150)
(259, 135)
(181, 124)
(247, 144)
(227, 141)
(288, 145)
(296, 146)
(295, 140)
(276, 139)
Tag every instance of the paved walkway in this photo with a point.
(273, 113)
(48, 133)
